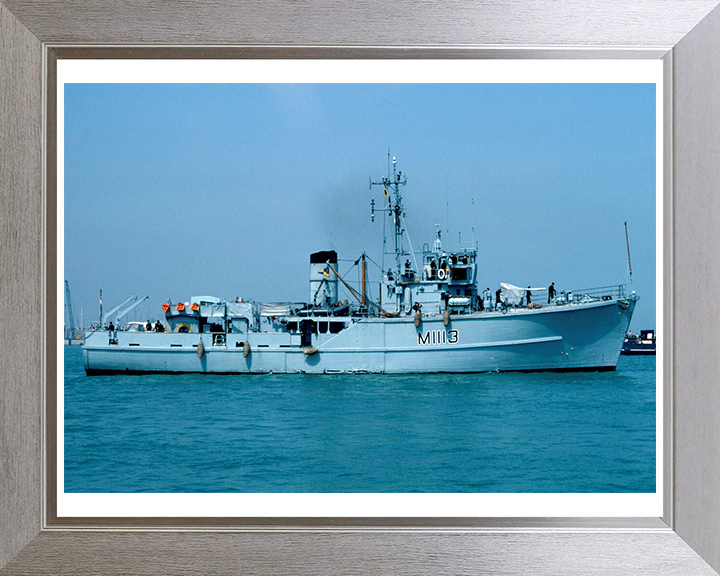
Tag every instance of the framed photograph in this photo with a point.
(424, 425)
(70, 126)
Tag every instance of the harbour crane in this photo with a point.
(70, 332)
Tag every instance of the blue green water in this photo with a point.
(543, 432)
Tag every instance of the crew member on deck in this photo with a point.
(408, 270)
(148, 326)
(486, 294)
(551, 292)
(498, 302)
(528, 294)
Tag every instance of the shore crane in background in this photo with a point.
(122, 313)
(70, 329)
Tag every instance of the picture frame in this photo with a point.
(686, 35)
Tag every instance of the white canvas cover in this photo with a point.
(280, 308)
(240, 309)
(512, 295)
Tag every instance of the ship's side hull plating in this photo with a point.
(585, 336)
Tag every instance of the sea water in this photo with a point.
(509, 432)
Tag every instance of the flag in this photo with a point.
(324, 272)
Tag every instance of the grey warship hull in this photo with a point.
(428, 317)
(582, 336)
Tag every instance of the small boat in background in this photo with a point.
(637, 344)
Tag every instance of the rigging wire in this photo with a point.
(373, 261)
(412, 252)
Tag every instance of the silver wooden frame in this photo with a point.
(684, 33)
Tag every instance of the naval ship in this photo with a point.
(428, 318)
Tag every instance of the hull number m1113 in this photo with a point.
(438, 337)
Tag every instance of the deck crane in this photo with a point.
(122, 313)
(108, 314)
(70, 332)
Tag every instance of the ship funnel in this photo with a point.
(323, 281)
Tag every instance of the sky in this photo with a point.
(181, 190)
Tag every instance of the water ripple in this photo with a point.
(543, 432)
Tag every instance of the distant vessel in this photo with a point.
(639, 344)
(428, 318)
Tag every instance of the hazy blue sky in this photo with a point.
(176, 190)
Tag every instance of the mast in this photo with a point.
(391, 191)
(363, 279)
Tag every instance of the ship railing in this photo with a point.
(613, 292)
